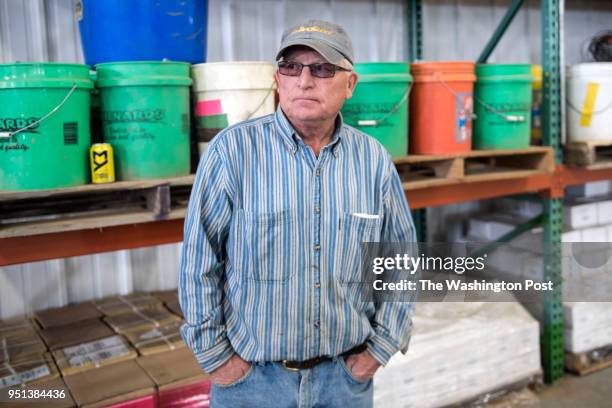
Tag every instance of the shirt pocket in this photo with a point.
(266, 235)
(353, 231)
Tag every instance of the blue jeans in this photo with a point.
(271, 385)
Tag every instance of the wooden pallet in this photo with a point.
(591, 155)
(420, 171)
(92, 206)
(589, 361)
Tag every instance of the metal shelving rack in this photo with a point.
(551, 219)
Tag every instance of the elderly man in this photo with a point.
(271, 255)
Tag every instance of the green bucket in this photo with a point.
(44, 125)
(502, 106)
(145, 114)
(379, 106)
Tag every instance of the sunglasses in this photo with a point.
(319, 70)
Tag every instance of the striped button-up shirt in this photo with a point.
(272, 244)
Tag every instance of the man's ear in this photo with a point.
(352, 83)
(276, 79)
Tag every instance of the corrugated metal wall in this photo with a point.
(46, 30)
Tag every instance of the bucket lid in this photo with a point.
(442, 67)
(142, 73)
(383, 72)
(237, 75)
(503, 72)
(45, 75)
(590, 68)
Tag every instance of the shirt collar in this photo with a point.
(292, 139)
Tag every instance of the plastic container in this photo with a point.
(441, 107)
(502, 106)
(145, 113)
(44, 125)
(536, 104)
(379, 106)
(143, 30)
(589, 102)
(226, 93)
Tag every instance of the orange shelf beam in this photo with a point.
(83, 242)
(479, 190)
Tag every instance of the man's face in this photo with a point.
(306, 98)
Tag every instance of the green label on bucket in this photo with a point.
(463, 112)
(141, 115)
(354, 112)
(14, 124)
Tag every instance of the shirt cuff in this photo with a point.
(381, 348)
(216, 356)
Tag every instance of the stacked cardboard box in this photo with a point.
(95, 345)
(170, 299)
(588, 220)
(149, 340)
(112, 384)
(23, 355)
(179, 379)
(454, 348)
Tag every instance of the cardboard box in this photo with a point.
(62, 316)
(141, 319)
(571, 236)
(126, 304)
(591, 189)
(15, 325)
(172, 369)
(97, 353)
(109, 385)
(604, 212)
(156, 340)
(55, 388)
(77, 333)
(580, 215)
(595, 234)
(491, 227)
(175, 308)
(34, 370)
(522, 208)
(167, 296)
(21, 345)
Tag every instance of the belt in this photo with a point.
(306, 364)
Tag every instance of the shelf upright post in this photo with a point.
(415, 28)
(552, 335)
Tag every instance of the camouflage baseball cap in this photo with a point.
(328, 39)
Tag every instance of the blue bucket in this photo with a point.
(143, 30)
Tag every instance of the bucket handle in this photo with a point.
(572, 107)
(250, 115)
(377, 122)
(58, 107)
(508, 118)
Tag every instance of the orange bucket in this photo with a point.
(441, 107)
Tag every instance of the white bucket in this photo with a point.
(589, 102)
(227, 93)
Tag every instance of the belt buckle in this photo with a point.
(284, 362)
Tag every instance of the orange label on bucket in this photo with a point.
(464, 110)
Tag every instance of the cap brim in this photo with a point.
(327, 52)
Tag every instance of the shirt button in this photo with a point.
(317, 285)
(317, 247)
(316, 324)
(317, 210)
(318, 172)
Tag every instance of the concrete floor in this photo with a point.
(591, 391)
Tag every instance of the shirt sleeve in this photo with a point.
(393, 320)
(207, 224)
